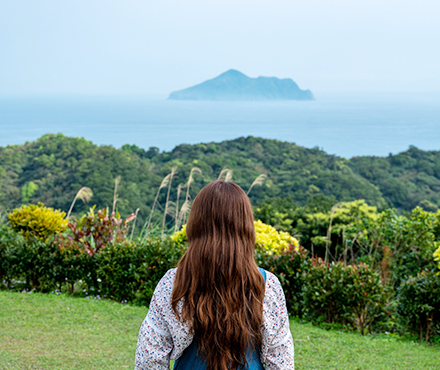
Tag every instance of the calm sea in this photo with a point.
(342, 124)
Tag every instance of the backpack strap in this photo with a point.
(263, 272)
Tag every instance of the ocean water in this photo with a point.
(343, 124)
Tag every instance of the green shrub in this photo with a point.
(10, 241)
(399, 246)
(157, 256)
(419, 304)
(71, 263)
(337, 293)
(117, 271)
(123, 270)
(32, 260)
(367, 299)
(37, 221)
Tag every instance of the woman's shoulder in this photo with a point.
(165, 285)
(274, 291)
(271, 280)
(170, 274)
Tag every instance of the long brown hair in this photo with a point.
(217, 278)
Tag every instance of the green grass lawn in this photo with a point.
(46, 331)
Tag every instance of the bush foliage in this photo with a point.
(96, 230)
(419, 304)
(95, 257)
(270, 240)
(340, 293)
(37, 221)
(437, 256)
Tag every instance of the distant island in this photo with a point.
(234, 85)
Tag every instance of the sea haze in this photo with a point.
(345, 125)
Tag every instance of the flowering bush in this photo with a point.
(267, 239)
(437, 256)
(180, 237)
(37, 221)
(271, 240)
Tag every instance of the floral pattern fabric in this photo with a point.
(163, 337)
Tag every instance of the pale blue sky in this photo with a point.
(155, 47)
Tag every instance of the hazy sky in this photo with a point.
(155, 47)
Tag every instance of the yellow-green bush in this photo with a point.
(180, 237)
(37, 221)
(272, 241)
(437, 256)
(267, 238)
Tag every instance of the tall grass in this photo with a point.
(85, 194)
(258, 181)
(115, 193)
(329, 232)
(134, 223)
(172, 208)
(227, 173)
(163, 184)
(173, 172)
(176, 216)
(187, 204)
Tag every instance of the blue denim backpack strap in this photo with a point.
(190, 360)
(263, 272)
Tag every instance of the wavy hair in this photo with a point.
(217, 279)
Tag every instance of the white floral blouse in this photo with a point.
(163, 337)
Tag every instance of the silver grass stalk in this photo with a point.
(186, 207)
(329, 231)
(190, 180)
(258, 181)
(84, 194)
(134, 223)
(115, 193)
(224, 171)
(176, 216)
(173, 172)
(193, 171)
(164, 183)
(171, 210)
(228, 176)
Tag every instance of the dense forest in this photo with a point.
(53, 168)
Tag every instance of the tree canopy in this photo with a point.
(53, 168)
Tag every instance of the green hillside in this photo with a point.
(53, 168)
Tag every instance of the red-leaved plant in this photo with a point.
(96, 230)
